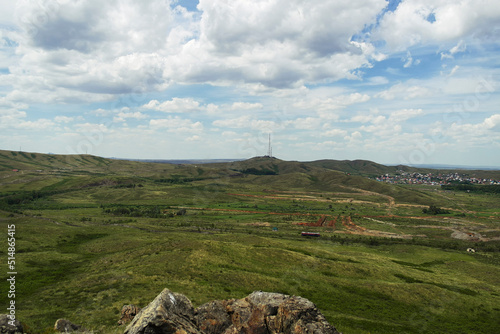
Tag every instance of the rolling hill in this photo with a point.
(93, 234)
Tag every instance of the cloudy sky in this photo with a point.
(412, 81)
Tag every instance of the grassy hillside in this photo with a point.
(94, 234)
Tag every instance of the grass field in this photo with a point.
(94, 234)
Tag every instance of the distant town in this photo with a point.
(434, 179)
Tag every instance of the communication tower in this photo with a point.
(270, 148)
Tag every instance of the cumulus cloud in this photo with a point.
(176, 124)
(327, 106)
(92, 50)
(247, 122)
(438, 21)
(474, 134)
(63, 119)
(334, 133)
(246, 106)
(404, 91)
(385, 125)
(176, 105)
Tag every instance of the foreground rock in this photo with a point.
(5, 327)
(258, 313)
(169, 312)
(128, 313)
(65, 326)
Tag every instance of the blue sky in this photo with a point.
(413, 82)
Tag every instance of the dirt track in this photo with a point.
(351, 227)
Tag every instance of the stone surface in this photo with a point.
(128, 313)
(63, 325)
(263, 313)
(168, 313)
(258, 313)
(213, 317)
(5, 327)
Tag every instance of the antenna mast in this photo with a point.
(270, 149)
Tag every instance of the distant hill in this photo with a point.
(320, 174)
(361, 167)
(184, 161)
(28, 160)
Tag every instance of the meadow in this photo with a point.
(94, 234)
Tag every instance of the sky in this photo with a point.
(395, 82)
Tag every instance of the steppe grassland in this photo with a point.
(81, 256)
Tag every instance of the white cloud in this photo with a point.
(454, 70)
(93, 50)
(378, 80)
(470, 135)
(308, 123)
(194, 138)
(246, 122)
(460, 47)
(334, 133)
(404, 91)
(493, 122)
(385, 126)
(246, 106)
(38, 125)
(236, 123)
(410, 23)
(326, 106)
(354, 137)
(122, 116)
(176, 105)
(405, 114)
(409, 61)
(176, 124)
(92, 128)
(64, 119)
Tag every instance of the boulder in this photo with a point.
(63, 325)
(213, 317)
(263, 313)
(6, 328)
(258, 313)
(168, 313)
(128, 313)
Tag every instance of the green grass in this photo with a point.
(94, 240)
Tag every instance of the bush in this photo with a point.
(434, 210)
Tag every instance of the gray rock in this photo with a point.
(263, 313)
(128, 313)
(213, 317)
(168, 313)
(258, 313)
(63, 325)
(5, 327)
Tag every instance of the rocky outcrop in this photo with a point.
(258, 313)
(65, 326)
(169, 312)
(128, 313)
(7, 328)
